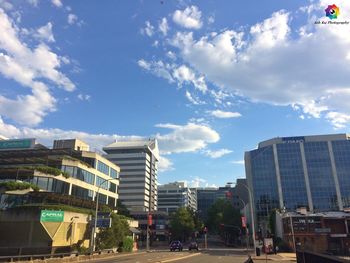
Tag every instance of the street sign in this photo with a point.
(51, 216)
(104, 222)
(17, 144)
(103, 214)
(149, 220)
(244, 222)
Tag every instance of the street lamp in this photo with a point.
(96, 209)
(251, 212)
(245, 214)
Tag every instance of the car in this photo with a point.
(193, 245)
(175, 245)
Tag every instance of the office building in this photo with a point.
(68, 173)
(171, 196)
(138, 176)
(304, 171)
(205, 199)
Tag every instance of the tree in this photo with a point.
(113, 236)
(182, 224)
(225, 220)
(122, 210)
(222, 212)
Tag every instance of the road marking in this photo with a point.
(175, 259)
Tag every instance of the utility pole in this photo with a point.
(205, 238)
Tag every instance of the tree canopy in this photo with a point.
(182, 224)
(222, 213)
(113, 236)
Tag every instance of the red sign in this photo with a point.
(205, 229)
(149, 220)
(244, 222)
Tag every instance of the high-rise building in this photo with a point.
(304, 171)
(205, 199)
(171, 196)
(138, 177)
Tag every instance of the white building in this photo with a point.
(138, 177)
(171, 196)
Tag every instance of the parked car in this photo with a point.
(175, 245)
(193, 245)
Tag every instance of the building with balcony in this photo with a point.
(68, 173)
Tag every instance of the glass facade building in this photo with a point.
(292, 172)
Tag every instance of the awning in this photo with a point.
(134, 230)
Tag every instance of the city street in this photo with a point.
(208, 256)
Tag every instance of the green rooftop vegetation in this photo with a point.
(12, 185)
(41, 168)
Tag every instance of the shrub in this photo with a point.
(128, 244)
(12, 185)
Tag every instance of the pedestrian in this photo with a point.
(249, 260)
(276, 250)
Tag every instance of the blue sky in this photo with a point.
(208, 79)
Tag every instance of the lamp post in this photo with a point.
(96, 211)
(251, 212)
(246, 228)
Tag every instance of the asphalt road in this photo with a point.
(209, 256)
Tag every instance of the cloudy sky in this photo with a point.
(208, 79)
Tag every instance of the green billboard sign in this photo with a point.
(17, 144)
(51, 216)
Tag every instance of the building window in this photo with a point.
(100, 182)
(103, 168)
(82, 192)
(114, 173)
(112, 187)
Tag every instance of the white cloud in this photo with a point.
(217, 154)
(224, 114)
(158, 68)
(188, 18)
(194, 100)
(163, 26)
(186, 75)
(72, 19)
(84, 97)
(34, 3)
(45, 33)
(186, 138)
(31, 68)
(339, 120)
(57, 3)
(197, 182)
(270, 64)
(240, 162)
(165, 164)
(46, 136)
(148, 29)
(6, 5)
(211, 20)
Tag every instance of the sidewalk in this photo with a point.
(279, 257)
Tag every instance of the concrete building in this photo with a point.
(64, 171)
(138, 177)
(171, 196)
(205, 199)
(304, 171)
